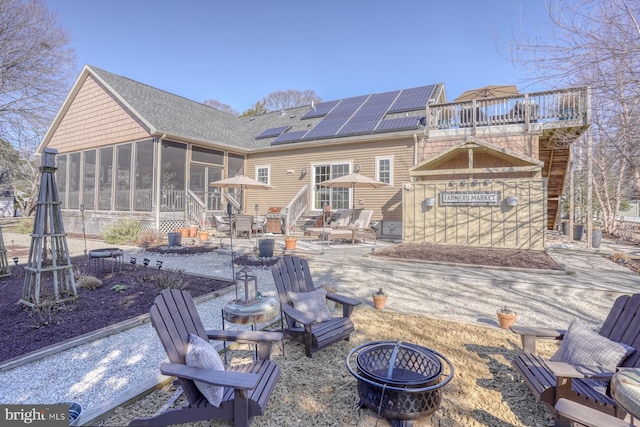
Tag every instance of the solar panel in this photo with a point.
(336, 118)
(320, 110)
(402, 123)
(412, 99)
(289, 137)
(271, 132)
(369, 114)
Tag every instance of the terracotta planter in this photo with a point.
(379, 299)
(193, 231)
(290, 242)
(506, 319)
(203, 236)
(183, 231)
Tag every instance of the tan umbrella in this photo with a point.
(353, 181)
(241, 182)
(488, 92)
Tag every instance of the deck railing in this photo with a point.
(296, 207)
(534, 107)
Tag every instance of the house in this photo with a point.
(128, 150)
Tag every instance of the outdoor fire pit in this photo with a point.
(399, 381)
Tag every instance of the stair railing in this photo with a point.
(296, 208)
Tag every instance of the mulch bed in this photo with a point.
(471, 255)
(25, 330)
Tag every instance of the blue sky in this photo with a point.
(238, 51)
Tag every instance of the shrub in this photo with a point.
(170, 279)
(24, 226)
(620, 257)
(149, 237)
(124, 231)
(88, 282)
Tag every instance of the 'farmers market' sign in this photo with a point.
(470, 198)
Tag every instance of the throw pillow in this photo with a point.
(201, 354)
(582, 346)
(314, 302)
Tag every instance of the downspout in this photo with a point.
(158, 178)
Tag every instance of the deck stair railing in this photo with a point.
(196, 210)
(295, 209)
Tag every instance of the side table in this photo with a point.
(261, 311)
(625, 390)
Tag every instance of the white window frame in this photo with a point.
(314, 184)
(380, 158)
(268, 168)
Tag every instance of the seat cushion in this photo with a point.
(582, 346)
(201, 354)
(314, 303)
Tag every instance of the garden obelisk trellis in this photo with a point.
(4, 263)
(49, 254)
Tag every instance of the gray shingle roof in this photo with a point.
(179, 116)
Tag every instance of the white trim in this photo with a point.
(268, 168)
(378, 159)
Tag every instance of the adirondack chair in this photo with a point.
(291, 275)
(247, 388)
(552, 380)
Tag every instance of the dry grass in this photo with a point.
(485, 390)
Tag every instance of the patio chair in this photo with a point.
(583, 366)
(358, 229)
(308, 320)
(259, 224)
(243, 224)
(221, 224)
(243, 391)
(339, 220)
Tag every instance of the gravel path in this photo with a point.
(97, 373)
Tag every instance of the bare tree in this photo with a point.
(281, 100)
(596, 43)
(221, 106)
(36, 68)
(258, 108)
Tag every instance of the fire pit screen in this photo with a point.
(398, 380)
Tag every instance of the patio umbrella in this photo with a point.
(488, 92)
(353, 181)
(241, 182)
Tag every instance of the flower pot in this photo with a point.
(175, 239)
(577, 231)
(193, 230)
(203, 236)
(379, 299)
(266, 247)
(290, 242)
(184, 232)
(506, 319)
(596, 238)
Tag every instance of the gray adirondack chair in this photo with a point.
(247, 388)
(291, 274)
(551, 381)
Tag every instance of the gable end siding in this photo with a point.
(94, 119)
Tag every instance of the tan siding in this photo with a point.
(520, 227)
(525, 144)
(94, 119)
(385, 202)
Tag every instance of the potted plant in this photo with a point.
(506, 317)
(379, 299)
(289, 240)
